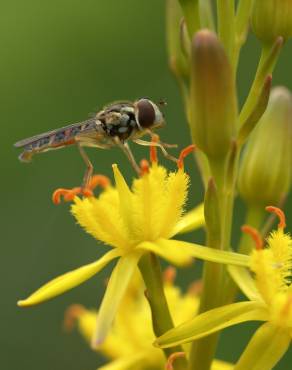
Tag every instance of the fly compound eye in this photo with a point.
(145, 113)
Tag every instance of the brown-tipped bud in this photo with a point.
(271, 19)
(265, 171)
(178, 62)
(213, 100)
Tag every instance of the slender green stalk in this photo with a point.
(226, 24)
(203, 351)
(268, 59)
(241, 28)
(161, 319)
(206, 15)
(191, 13)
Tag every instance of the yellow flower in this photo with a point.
(134, 222)
(269, 290)
(129, 342)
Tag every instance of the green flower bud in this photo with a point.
(271, 19)
(265, 171)
(212, 98)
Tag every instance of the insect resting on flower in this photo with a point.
(114, 125)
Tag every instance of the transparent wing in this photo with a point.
(73, 129)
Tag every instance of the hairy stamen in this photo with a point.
(144, 166)
(185, 152)
(280, 214)
(254, 233)
(72, 313)
(169, 275)
(153, 149)
(172, 358)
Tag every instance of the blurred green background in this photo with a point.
(61, 60)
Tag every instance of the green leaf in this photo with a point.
(212, 321)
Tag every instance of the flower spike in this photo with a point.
(172, 358)
(254, 233)
(185, 152)
(280, 214)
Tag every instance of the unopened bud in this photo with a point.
(271, 19)
(265, 172)
(213, 100)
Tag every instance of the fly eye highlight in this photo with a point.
(145, 114)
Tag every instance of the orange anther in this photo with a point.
(280, 214)
(72, 313)
(172, 358)
(254, 233)
(144, 166)
(56, 197)
(185, 152)
(153, 149)
(196, 287)
(169, 275)
(99, 180)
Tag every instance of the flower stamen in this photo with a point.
(70, 194)
(169, 275)
(277, 211)
(172, 358)
(185, 152)
(72, 313)
(254, 233)
(153, 149)
(144, 167)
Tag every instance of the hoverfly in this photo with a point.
(114, 125)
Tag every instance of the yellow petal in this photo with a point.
(265, 349)
(125, 197)
(115, 290)
(245, 282)
(183, 251)
(135, 361)
(171, 253)
(221, 365)
(176, 194)
(68, 281)
(192, 220)
(212, 321)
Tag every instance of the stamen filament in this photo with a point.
(185, 152)
(254, 233)
(280, 214)
(172, 358)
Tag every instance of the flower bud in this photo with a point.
(212, 98)
(265, 172)
(271, 19)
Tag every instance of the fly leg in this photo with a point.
(159, 145)
(89, 167)
(126, 149)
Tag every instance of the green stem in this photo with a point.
(226, 24)
(161, 319)
(206, 15)
(191, 14)
(241, 28)
(203, 351)
(268, 59)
